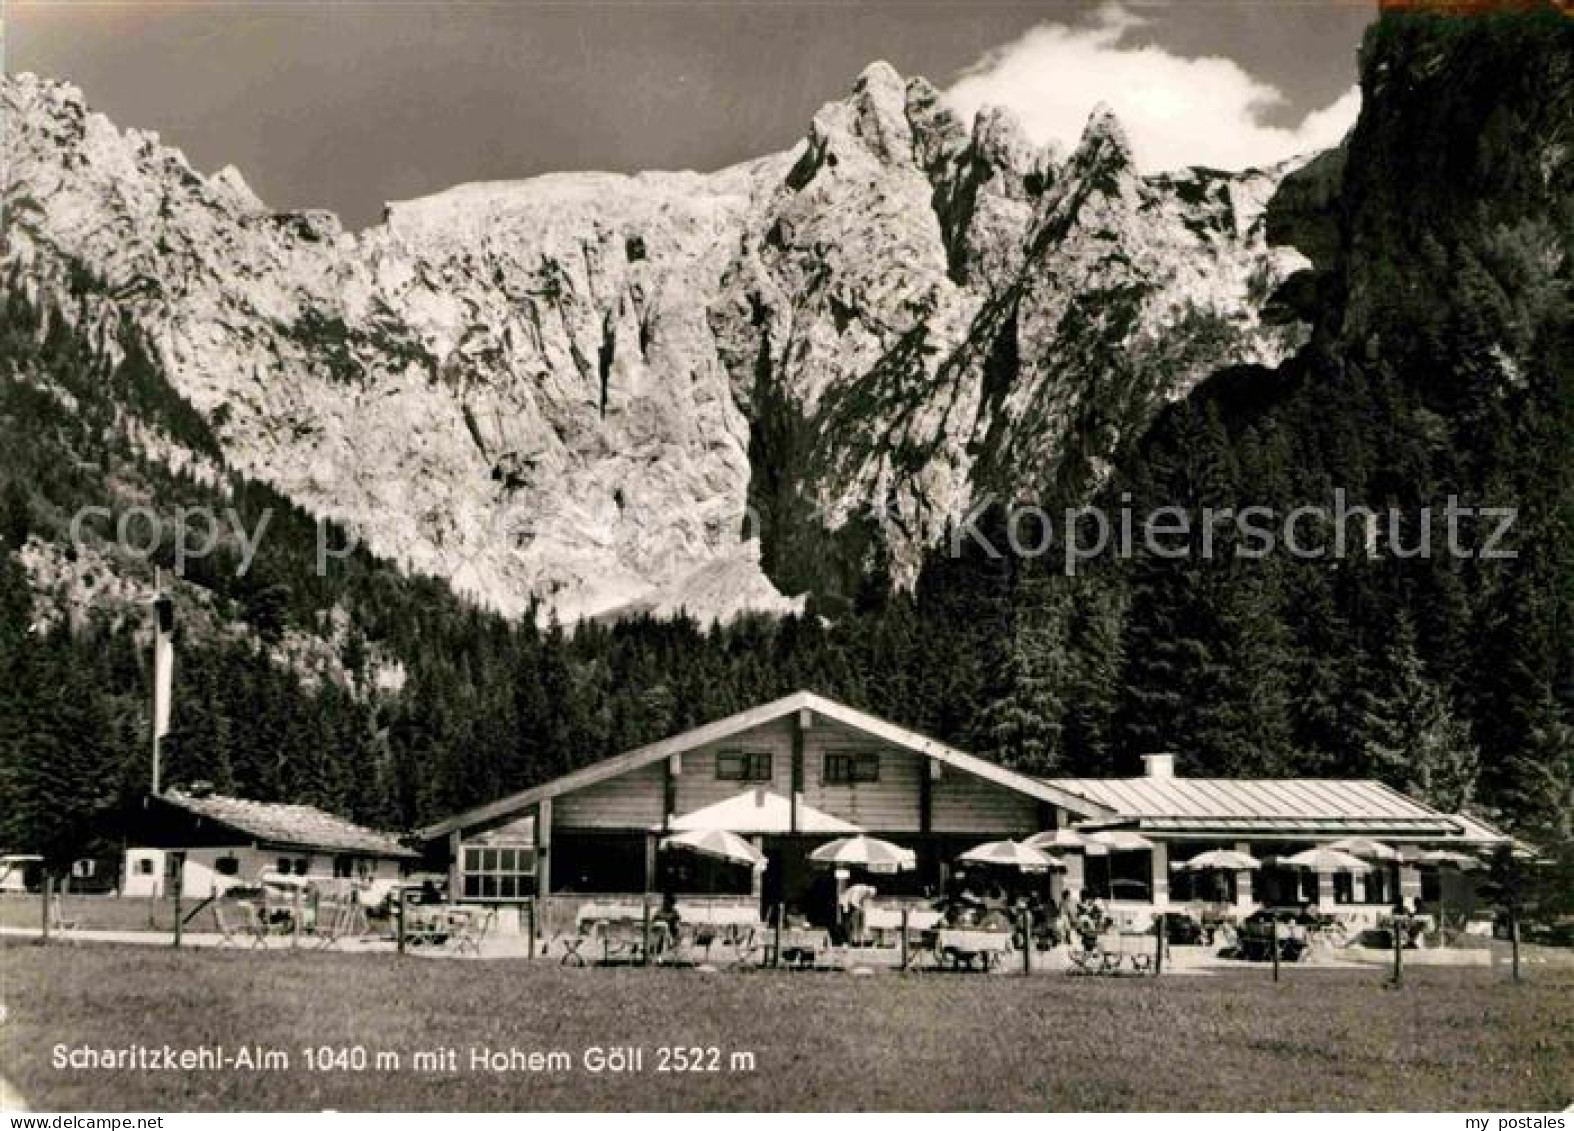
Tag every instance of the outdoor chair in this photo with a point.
(749, 944)
(232, 932)
(335, 920)
(472, 931)
(57, 920)
(572, 942)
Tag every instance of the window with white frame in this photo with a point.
(498, 871)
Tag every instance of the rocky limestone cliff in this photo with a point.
(714, 391)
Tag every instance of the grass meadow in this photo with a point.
(1448, 1039)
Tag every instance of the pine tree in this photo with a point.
(1412, 738)
(1021, 723)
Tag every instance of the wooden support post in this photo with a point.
(531, 932)
(1026, 920)
(650, 862)
(644, 942)
(46, 891)
(801, 724)
(1273, 943)
(671, 769)
(1397, 930)
(399, 918)
(904, 938)
(180, 888)
(544, 848)
(926, 796)
(456, 849)
(1160, 923)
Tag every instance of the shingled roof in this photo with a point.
(295, 826)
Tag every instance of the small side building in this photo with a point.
(230, 841)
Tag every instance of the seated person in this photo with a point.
(665, 923)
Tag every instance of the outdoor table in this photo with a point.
(963, 945)
(622, 939)
(798, 946)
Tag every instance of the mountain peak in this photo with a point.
(879, 105)
(1105, 137)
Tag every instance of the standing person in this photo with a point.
(854, 901)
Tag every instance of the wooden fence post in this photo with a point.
(1025, 918)
(532, 931)
(776, 948)
(1513, 939)
(399, 924)
(180, 887)
(46, 889)
(904, 938)
(1159, 925)
(644, 930)
(1273, 943)
(1397, 930)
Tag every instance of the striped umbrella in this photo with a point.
(867, 852)
(1010, 854)
(718, 844)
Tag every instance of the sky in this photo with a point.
(351, 103)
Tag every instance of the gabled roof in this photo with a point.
(295, 826)
(760, 811)
(1279, 805)
(746, 720)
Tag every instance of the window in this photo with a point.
(227, 866)
(848, 767)
(743, 765)
(145, 866)
(284, 866)
(343, 867)
(83, 869)
(503, 871)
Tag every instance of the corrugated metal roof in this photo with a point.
(1289, 803)
(296, 825)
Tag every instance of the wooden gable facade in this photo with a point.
(595, 831)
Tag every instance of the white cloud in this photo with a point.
(1176, 111)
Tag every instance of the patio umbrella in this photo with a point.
(1218, 860)
(1065, 840)
(871, 853)
(1446, 858)
(1121, 840)
(1325, 860)
(718, 844)
(1010, 854)
(1374, 850)
(1367, 849)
